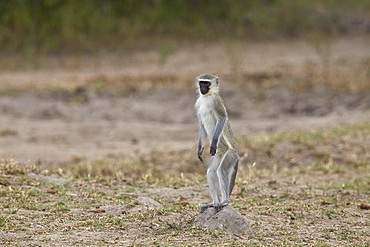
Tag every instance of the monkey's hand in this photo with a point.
(200, 151)
(213, 149)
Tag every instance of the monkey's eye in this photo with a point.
(204, 83)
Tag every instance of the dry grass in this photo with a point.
(344, 146)
(340, 73)
(321, 203)
(8, 132)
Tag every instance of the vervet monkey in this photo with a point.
(214, 125)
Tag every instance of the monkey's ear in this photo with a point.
(217, 80)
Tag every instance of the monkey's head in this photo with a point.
(208, 84)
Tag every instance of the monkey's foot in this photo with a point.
(218, 206)
(204, 208)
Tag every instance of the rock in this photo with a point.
(114, 209)
(146, 203)
(149, 202)
(52, 179)
(228, 220)
(141, 204)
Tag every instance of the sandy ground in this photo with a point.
(49, 128)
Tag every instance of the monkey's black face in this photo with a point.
(204, 87)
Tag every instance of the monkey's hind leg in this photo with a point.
(213, 182)
(226, 174)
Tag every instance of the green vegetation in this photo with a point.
(34, 26)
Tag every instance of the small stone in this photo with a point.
(52, 179)
(146, 203)
(364, 206)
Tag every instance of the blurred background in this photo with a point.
(54, 26)
(90, 79)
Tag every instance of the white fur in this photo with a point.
(206, 114)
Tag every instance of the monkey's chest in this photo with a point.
(208, 117)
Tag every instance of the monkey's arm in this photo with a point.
(218, 131)
(221, 114)
(201, 140)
